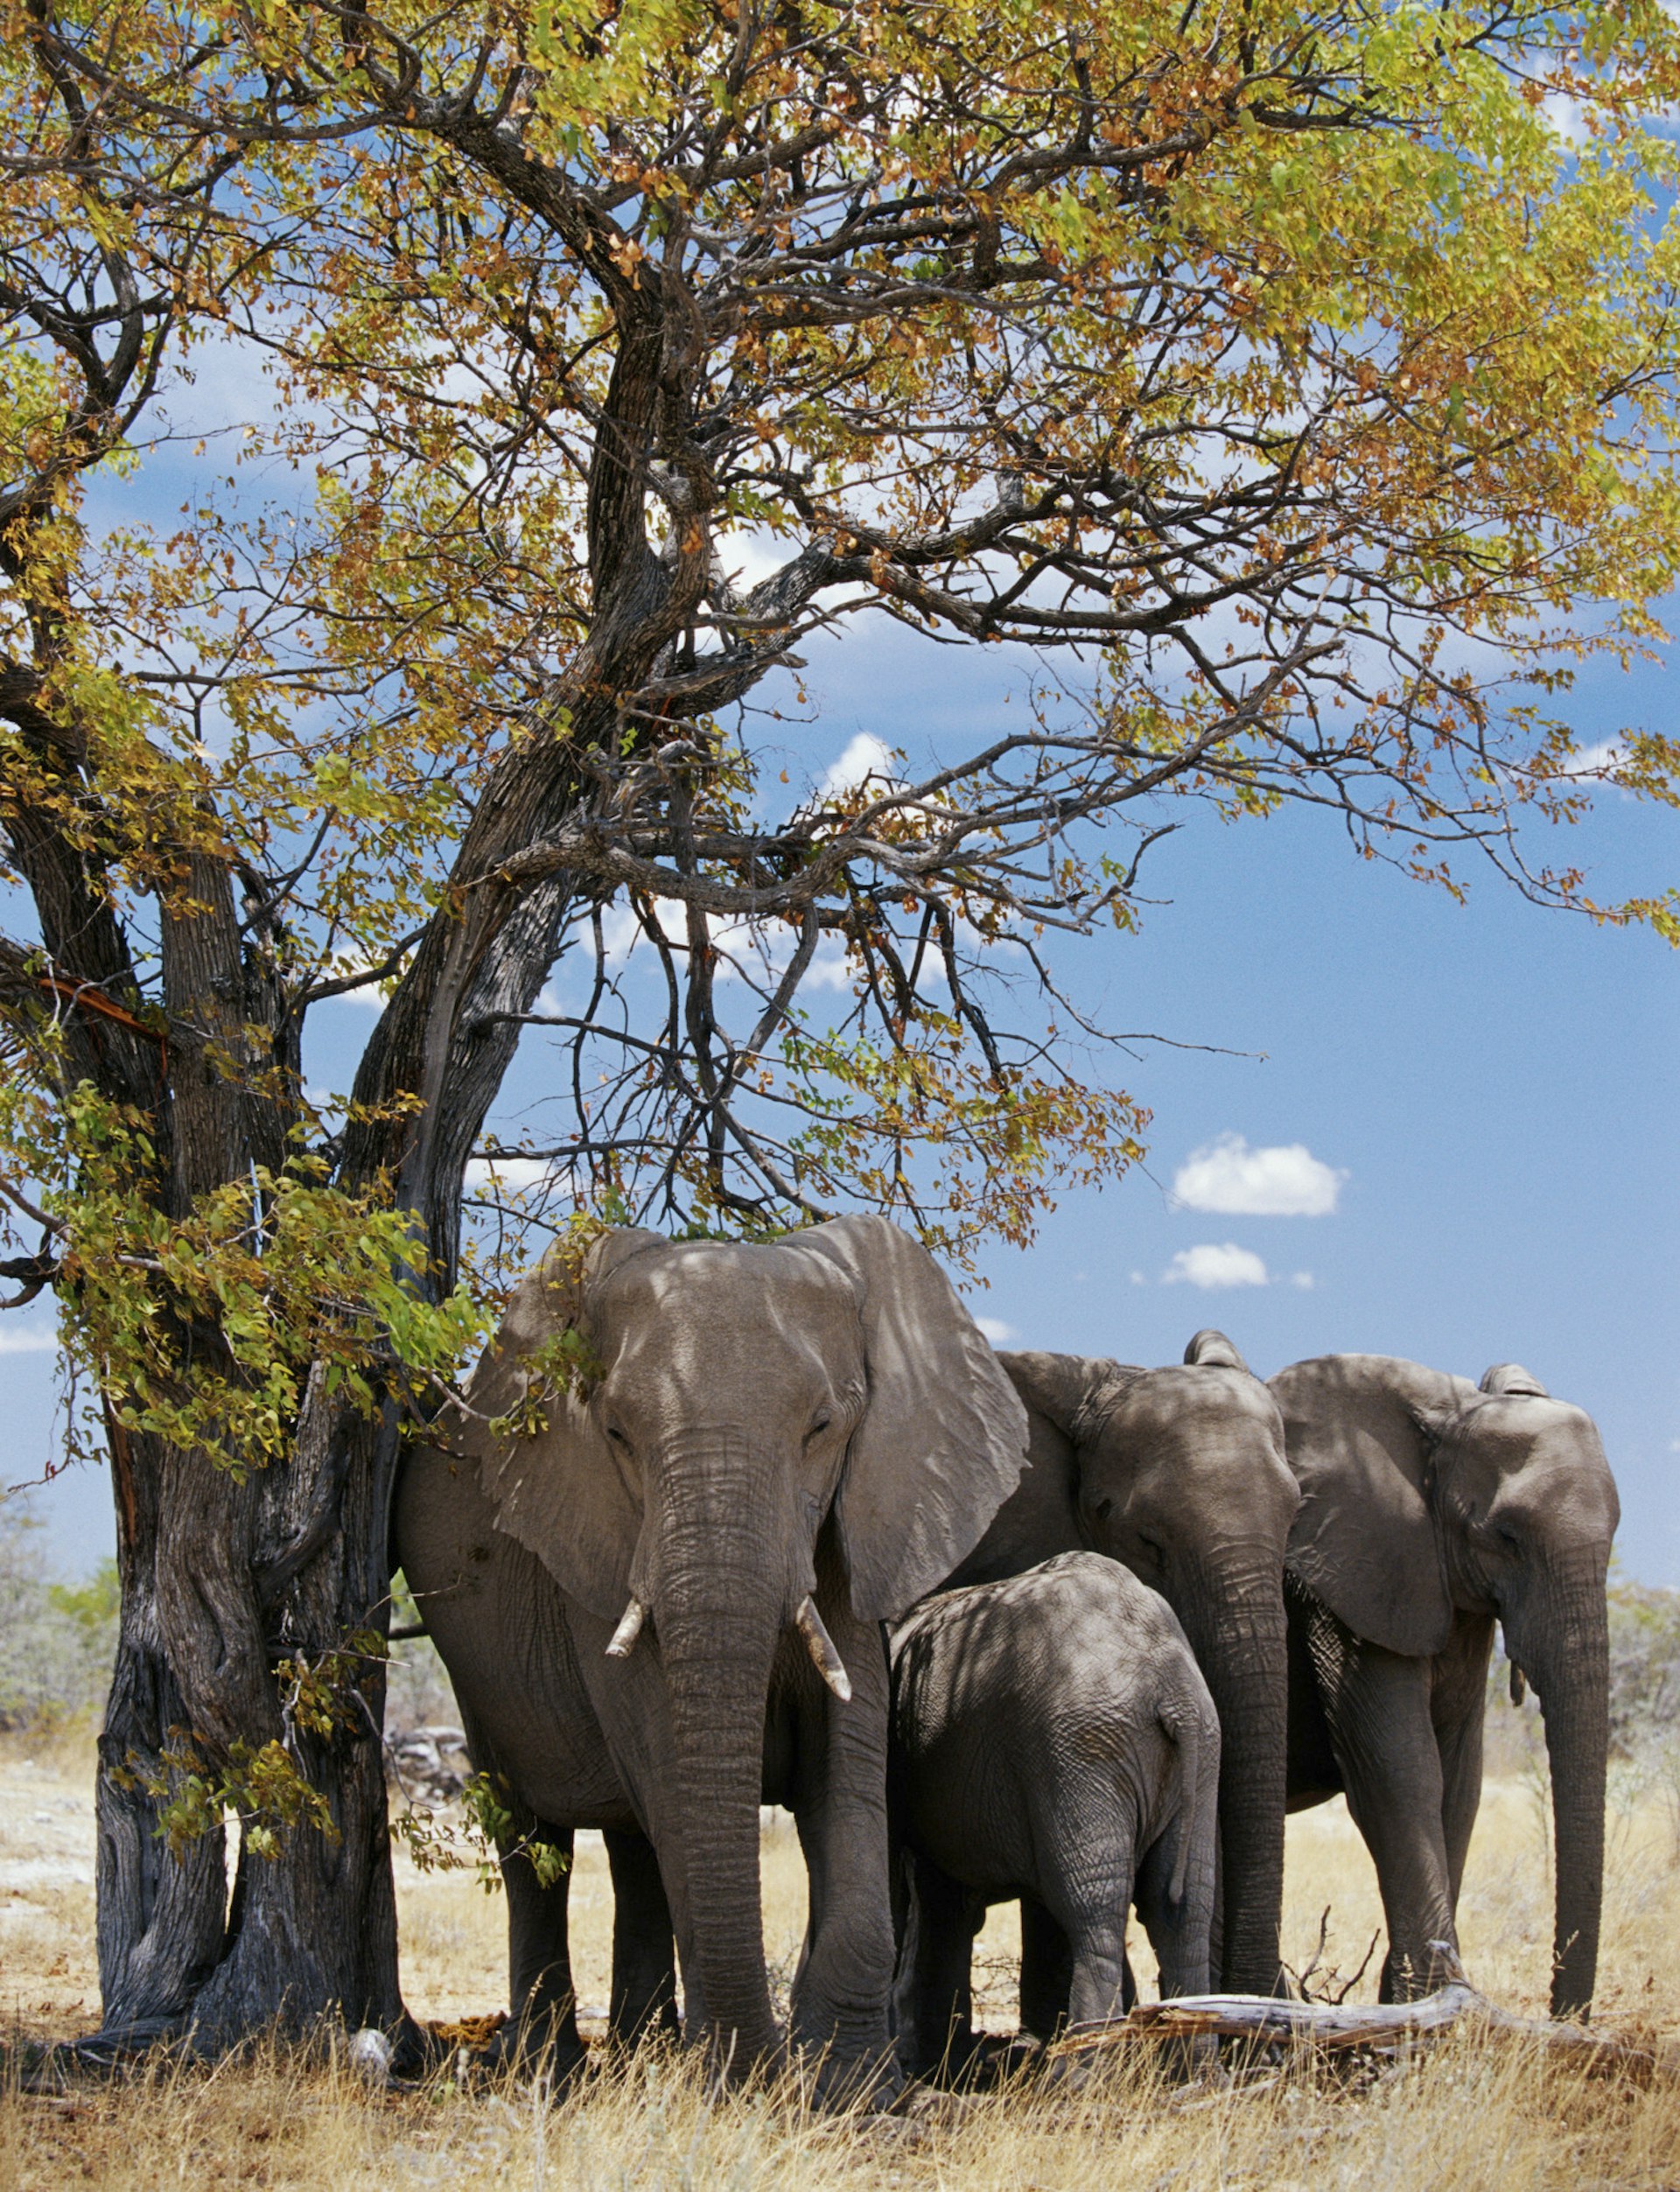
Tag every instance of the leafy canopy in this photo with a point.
(1277, 391)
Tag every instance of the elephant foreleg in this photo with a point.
(844, 1985)
(544, 2008)
(644, 1956)
(1377, 1705)
(1458, 1704)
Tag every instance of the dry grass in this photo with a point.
(1466, 2117)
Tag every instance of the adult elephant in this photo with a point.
(1180, 1474)
(780, 1446)
(1431, 1509)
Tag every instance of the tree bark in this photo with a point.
(224, 1581)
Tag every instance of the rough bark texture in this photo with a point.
(223, 1582)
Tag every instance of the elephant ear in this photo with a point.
(1358, 1431)
(943, 1439)
(1511, 1377)
(1213, 1350)
(557, 1491)
(1073, 1392)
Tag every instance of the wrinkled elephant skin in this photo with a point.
(1054, 1740)
(1431, 1509)
(777, 1447)
(1179, 1474)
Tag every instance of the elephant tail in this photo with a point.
(1181, 1724)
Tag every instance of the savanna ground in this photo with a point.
(1468, 2115)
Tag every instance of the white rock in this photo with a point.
(370, 2056)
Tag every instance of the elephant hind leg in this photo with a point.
(1046, 1970)
(1047, 1973)
(1086, 1880)
(1180, 1933)
(644, 1955)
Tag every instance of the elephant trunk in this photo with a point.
(1236, 1624)
(719, 1600)
(1561, 1641)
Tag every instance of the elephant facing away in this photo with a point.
(1051, 1740)
(781, 1445)
(1431, 1509)
(1180, 1474)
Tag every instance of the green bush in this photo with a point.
(1644, 1706)
(57, 1641)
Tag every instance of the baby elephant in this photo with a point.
(1052, 1739)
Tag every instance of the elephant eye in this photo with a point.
(616, 1435)
(819, 1426)
(1101, 1509)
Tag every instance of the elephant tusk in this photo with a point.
(820, 1645)
(623, 1641)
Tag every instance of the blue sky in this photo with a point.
(1477, 1100)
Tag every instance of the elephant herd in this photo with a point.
(990, 1626)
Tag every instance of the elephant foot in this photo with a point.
(536, 2047)
(1409, 1977)
(871, 2081)
(966, 2064)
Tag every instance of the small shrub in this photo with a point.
(1644, 1708)
(57, 1641)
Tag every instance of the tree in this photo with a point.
(1281, 384)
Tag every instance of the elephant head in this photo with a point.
(744, 1402)
(1179, 1474)
(1422, 1494)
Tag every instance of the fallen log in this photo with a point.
(1328, 2027)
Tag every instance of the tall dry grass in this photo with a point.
(1465, 2117)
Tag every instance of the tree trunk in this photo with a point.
(310, 1930)
(226, 1584)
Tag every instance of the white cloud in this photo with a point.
(1304, 1280)
(866, 756)
(1283, 1181)
(516, 1175)
(621, 928)
(1592, 760)
(771, 946)
(1208, 1267)
(751, 554)
(995, 1330)
(31, 1339)
(1567, 117)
